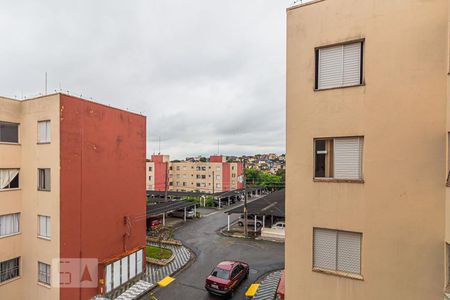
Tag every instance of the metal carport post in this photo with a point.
(228, 227)
(185, 214)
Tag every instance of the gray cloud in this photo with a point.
(202, 71)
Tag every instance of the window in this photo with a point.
(218, 177)
(150, 169)
(203, 176)
(44, 132)
(198, 184)
(338, 158)
(150, 178)
(44, 273)
(9, 224)
(9, 179)
(44, 179)
(233, 175)
(122, 270)
(339, 66)
(9, 132)
(178, 168)
(9, 269)
(217, 185)
(337, 250)
(44, 227)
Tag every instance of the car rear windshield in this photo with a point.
(221, 273)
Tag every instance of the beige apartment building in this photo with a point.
(214, 176)
(61, 205)
(368, 124)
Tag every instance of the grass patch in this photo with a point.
(157, 252)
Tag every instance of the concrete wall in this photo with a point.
(401, 112)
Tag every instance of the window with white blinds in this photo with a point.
(9, 224)
(338, 158)
(348, 158)
(44, 227)
(44, 132)
(339, 66)
(337, 250)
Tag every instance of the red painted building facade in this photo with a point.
(102, 194)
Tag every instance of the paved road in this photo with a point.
(211, 248)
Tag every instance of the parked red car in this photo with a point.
(155, 223)
(226, 277)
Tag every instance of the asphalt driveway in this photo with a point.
(211, 248)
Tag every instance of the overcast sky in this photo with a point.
(202, 71)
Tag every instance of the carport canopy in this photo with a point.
(155, 209)
(269, 205)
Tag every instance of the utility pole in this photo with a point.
(166, 181)
(213, 183)
(245, 203)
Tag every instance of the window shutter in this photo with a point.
(42, 226)
(42, 128)
(347, 158)
(330, 67)
(349, 252)
(325, 248)
(133, 265)
(47, 179)
(48, 136)
(124, 269)
(352, 64)
(139, 261)
(108, 279)
(116, 274)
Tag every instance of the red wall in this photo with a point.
(102, 182)
(216, 158)
(240, 168)
(160, 172)
(226, 174)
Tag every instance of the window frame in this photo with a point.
(18, 133)
(332, 178)
(18, 225)
(15, 269)
(48, 128)
(45, 188)
(9, 184)
(48, 227)
(358, 276)
(362, 81)
(47, 274)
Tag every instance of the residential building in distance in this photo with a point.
(270, 163)
(367, 133)
(72, 197)
(212, 176)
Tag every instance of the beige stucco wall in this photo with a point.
(401, 112)
(30, 156)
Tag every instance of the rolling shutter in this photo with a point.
(339, 66)
(352, 64)
(349, 252)
(330, 67)
(347, 158)
(325, 248)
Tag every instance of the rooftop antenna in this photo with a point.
(159, 145)
(45, 83)
(218, 147)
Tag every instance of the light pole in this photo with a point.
(245, 202)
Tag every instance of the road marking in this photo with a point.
(166, 281)
(252, 290)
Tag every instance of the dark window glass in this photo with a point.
(9, 132)
(9, 269)
(14, 184)
(221, 273)
(320, 159)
